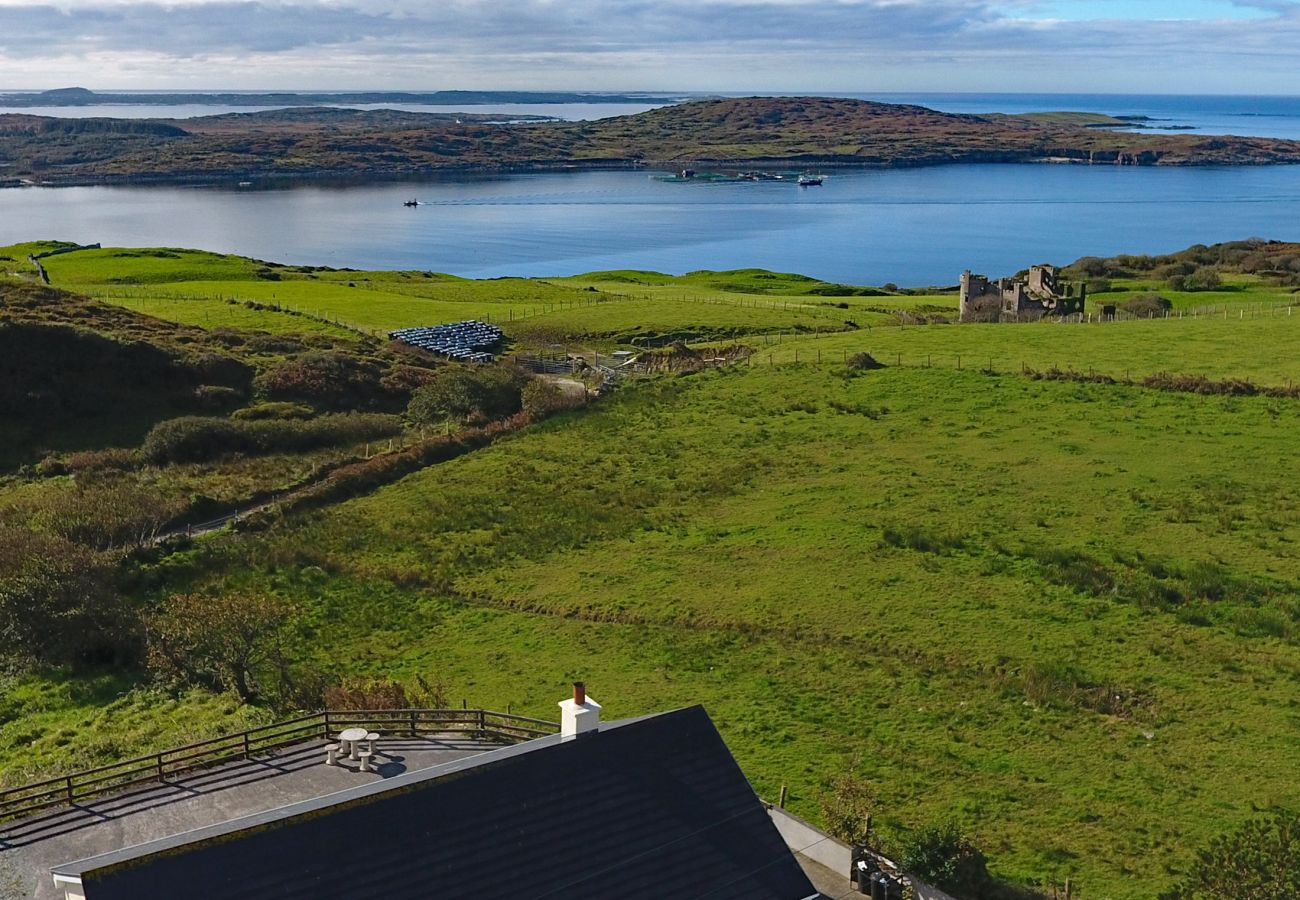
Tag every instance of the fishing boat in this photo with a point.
(411, 203)
(809, 180)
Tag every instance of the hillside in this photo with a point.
(1018, 578)
(787, 130)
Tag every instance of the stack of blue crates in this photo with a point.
(462, 341)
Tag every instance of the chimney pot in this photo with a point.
(579, 715)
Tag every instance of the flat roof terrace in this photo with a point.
(197, 797)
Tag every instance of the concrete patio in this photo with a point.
(30, 846)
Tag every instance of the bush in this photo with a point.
(542, 397)
(1260, 861)
(1206, 278)
(465, 392)
(217, 396)
(370, 694)
(942, 856)
(274, 410)
(118, 459)
(58, 603)
(190, 439)
(1147, 306)
(327, 379)
(847, 809)
(112, 513)
(197, 438)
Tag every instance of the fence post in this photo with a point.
(158, 760)
(248, 749)
(413, 732)
(68, 785)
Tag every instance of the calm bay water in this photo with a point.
(913, 226)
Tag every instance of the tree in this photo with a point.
(1259, 861)
(221, 641)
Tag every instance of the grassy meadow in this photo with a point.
(1064, 614)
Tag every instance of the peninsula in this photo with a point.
(792, 131)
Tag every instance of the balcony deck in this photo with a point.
(31, 845)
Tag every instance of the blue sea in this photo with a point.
(1256, 116)
(909, 226)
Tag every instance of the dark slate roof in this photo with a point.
(652, 808)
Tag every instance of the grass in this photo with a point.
(59, 722)
(1262, 348)
(709, 539)
(1062, 613)
(221, 313)
(607, 309)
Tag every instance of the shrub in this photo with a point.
(118, 459)
(1205, 278)
(197, 438)
(1260, 861)
(377, 694)
(328, 379)
(274, 410)
(58, 604)
(112, 513)
(942, 856)
(1147, 306)
(190, 439)
(847, 809)
(217, 396)
(542, 397)
(464, 392)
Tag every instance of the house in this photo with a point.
(1041, 293)
(652, 807)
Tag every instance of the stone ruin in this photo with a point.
(1042, 293)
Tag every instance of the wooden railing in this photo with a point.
(479, 724)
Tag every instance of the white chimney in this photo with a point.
(579, 715)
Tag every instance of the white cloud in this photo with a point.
(629, 44)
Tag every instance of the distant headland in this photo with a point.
(80, 96)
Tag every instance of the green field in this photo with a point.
(1264, 349)
(1062, 613)
(840, 566)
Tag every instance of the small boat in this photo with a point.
(809, 180)
(411, 203)
(245, 184)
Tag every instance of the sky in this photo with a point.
(844, 46)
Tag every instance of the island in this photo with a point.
(753, 131)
